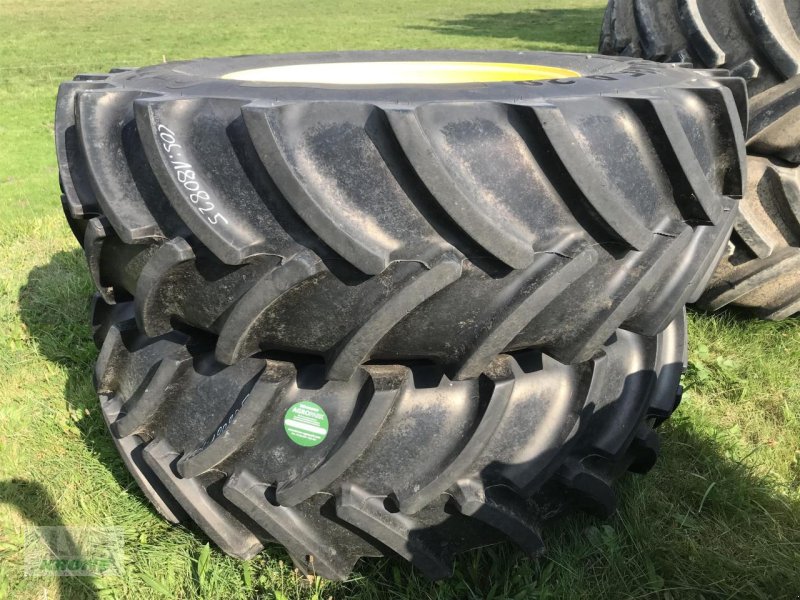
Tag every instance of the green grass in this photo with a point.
(719, 517)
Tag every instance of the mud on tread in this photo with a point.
(416, 246)
(471, 461)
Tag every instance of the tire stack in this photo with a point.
(404, 317)
(756, 40)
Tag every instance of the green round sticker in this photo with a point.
(306, 423)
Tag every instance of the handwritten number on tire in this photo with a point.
(188, 178)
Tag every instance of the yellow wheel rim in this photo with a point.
(400, 73)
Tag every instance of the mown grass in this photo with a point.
(719, 517)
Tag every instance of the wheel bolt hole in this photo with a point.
(390, 505)
(272, 496)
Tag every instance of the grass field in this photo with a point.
(719, 517)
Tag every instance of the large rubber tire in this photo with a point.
(761, 272)
(753, 39)
(757, 39)
(443, 222)
(413, 464)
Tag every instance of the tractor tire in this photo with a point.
(761, 273)
(445, 222)
(753, 39)
(758, 40)
(398, 460)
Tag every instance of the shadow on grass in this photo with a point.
(54, 305)
(535, 28)
(700, 522)
(35, 503)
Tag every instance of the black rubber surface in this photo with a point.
(754, 39)
(414, 464)
(758, 40)
(447, 223)
(761, 271)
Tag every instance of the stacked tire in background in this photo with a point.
(756, 40)
(399, 318)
